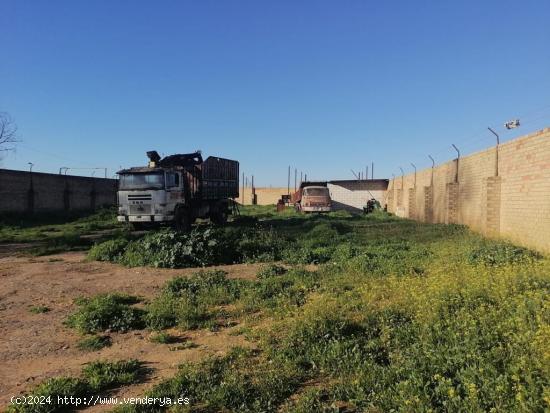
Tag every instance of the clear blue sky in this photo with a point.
(321, 85)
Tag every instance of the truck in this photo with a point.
(312, 197)
(176, 190)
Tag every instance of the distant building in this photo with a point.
(353, 194)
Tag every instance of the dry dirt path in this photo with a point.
(34, 347)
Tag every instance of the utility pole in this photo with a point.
(243, 189)
(372, 170)
(295, 178)
(288, 182)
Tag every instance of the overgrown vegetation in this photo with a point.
(51, 233)
(96, 377)
(106, 312)
(394, 315)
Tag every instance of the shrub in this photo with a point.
(106, 312)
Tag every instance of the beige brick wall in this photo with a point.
(265, 196)
(516, 206)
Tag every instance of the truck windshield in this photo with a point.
(142, 181)
(315, 191)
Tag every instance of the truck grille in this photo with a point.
(139, 197)
(140, 209)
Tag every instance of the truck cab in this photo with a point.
(149, 195)
(314, 199)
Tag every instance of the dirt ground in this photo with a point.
(34, 347)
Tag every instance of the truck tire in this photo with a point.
(219, 217)
(138, 226)
(182, 220)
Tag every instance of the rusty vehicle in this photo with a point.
(312, 197)
(177, 190)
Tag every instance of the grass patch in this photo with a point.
(500, 253)
(270, 270)
(163, 338)
(187, 302)
(106, 312)
(39, 309)
(55, 228)
(94, 343)
(96, 377)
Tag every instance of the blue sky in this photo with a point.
(323, 86)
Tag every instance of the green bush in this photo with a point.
(106, 312)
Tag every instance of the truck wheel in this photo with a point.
(219, 217)
(138, 226)
(182, 220)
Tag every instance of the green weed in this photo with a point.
(106, 312)
(39, 309)
(96, 377)
(93, 343)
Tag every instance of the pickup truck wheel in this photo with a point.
(182, 220)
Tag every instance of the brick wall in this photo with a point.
(264, 196)
(515, 205)
(22, 191)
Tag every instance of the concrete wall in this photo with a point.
(353, 195)
(22, 191)
(264, 196)
(514, 205)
